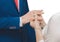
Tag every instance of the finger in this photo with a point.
(32, 19)
(32, 22)
(42, 23)
(39, 12)
(39, 18)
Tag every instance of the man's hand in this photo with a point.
(26, 18)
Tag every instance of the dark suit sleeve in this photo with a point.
(9, 23)
(14, 22)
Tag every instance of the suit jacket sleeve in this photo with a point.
(9, 23)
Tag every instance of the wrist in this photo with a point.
(38, 29)
(24, 20)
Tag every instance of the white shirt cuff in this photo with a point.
(41, 41)
(20, 24)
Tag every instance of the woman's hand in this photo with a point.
(37, 21)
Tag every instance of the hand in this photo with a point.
(26, 18)
(37, 22)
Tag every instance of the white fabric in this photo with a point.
(20, 24)
(52, 31)
(41, 41)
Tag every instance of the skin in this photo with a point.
(26, 18)
(37, 23)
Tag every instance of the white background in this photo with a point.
(50, 7)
